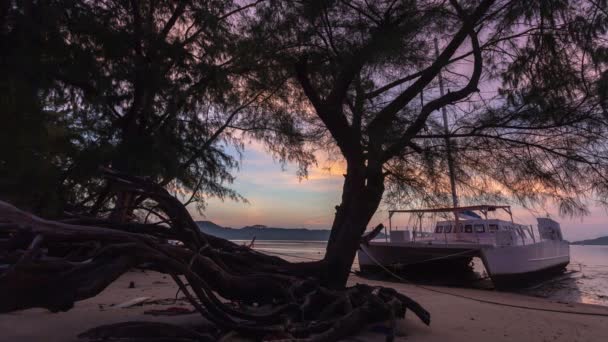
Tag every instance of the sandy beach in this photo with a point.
(454, 318)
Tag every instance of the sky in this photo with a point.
(277, 198)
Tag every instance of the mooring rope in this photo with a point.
(364, 249)
(288, 255)
(401, 279)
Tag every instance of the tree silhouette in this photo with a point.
(525, 80)
(151, 88)
(157, 89)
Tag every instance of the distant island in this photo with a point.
(261, 232)
(601, 241)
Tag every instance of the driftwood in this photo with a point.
(53, 264)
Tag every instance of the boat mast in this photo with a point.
(448, 143)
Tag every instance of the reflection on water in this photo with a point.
(584, 281)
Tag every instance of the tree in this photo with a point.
(368, 73)
(151, 88)
(35, 143)
(154, 76)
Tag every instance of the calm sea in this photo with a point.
(584, 281)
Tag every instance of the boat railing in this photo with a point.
(531, 230)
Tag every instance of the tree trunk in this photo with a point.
(125, 160)
(123, 207)
(362, 193)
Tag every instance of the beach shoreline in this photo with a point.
(457, 314)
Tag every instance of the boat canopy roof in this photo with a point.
(483, 208)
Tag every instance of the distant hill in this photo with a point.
(261, 232)
(602, 241)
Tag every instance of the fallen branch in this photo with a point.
(369, 236)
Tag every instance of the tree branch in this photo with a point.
(331, 115)
(387, 114)
(448, 98)
(179, 10)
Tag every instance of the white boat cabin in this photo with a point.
(482, 231)
(476, 230)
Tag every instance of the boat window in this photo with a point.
(447, 229)
(468, 228)
(492, 228)
(439, 229)
(479, 228)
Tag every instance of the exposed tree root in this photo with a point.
(53, 264)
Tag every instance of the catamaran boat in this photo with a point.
(513, 254)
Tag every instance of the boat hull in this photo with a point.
(414, 258)
(517, 266)
(519, 280)
(508, 267)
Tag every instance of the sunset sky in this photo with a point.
(277, 198)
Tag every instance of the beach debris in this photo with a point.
(144, 331)
(172, 311)
(275, 298)
(133, 302)
(233, 336)
(131, 284)
(167, 301)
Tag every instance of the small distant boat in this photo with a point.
(513, 254)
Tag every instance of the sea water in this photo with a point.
(585, 280)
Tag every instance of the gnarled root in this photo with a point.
(53, 264)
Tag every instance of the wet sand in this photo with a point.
(453, 318)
